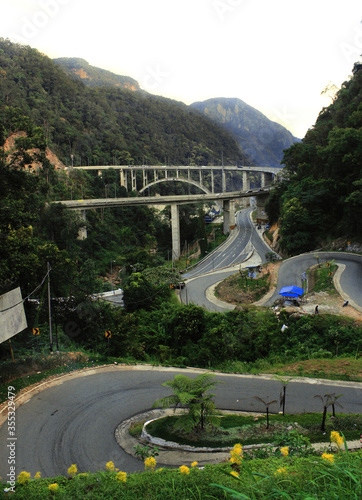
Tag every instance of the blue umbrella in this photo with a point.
(291, 291)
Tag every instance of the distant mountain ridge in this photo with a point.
(260, 138)
(92, 76)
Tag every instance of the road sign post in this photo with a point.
(108, 335)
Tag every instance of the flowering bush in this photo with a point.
(284, 451)
(184, 470)
(110, 466)
(121, 476)
(72, 470)
(328, 457)
(236, 454)
(23, 477)
(281, 471)
(53, 488)
(150, 463)
(337, 439)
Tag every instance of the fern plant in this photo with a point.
(190, 393)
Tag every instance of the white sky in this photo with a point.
(277, 56)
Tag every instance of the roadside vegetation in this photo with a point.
(335, 473)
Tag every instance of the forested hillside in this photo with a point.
(320, 195)
(94, 77)
(260, 138)
(105, 125)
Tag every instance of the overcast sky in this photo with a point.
(277, 56)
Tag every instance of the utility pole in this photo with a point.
(50, 312)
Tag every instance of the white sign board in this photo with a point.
(12, 315)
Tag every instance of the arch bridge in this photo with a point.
(140, 178)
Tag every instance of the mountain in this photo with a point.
(260, 138)
(92, 76)
(103, 124)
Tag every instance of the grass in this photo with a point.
(322, 277)
(288, 477)
(250, 429)
(28, 371)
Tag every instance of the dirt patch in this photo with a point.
(343, 367)
(230, 291)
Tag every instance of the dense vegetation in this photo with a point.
(262, 139)
(319, 196)
(105, 125)
(92, 76)
(291, 477)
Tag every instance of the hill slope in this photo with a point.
(105, 125)
(93, 76)
(320, 197)
(260, 138)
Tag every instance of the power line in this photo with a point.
(30, 294)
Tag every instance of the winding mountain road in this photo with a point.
(245, 247)
(72, 420)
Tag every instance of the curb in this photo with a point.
(174, 454)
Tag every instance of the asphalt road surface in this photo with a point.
(223, 262)
(290, 273)
(74, 420)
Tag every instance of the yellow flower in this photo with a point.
(184, 470)
(194, 464)
(236, 454)
(37, 475)
(337, 438)
(328, 457)
(234, 473)
(53, 487)
(24, 477)
(150, 463)
(237, 448)
(281, 471)
(284, 451)
(110, 466)
(121, 476)
(72, 470)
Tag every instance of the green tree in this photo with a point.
(191, 393)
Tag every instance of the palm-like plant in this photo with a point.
(190, 393)
(267, 404)
(328, 400)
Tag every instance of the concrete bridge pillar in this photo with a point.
(229, 214)
(212, 182)
(82, 234)
(133, 180)
(246, 181)
(200, 177)
(266, 179)
(175, 229)
(123, 178)
(260, 208)
(223, 180)
(155, 175)
(145, 178)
